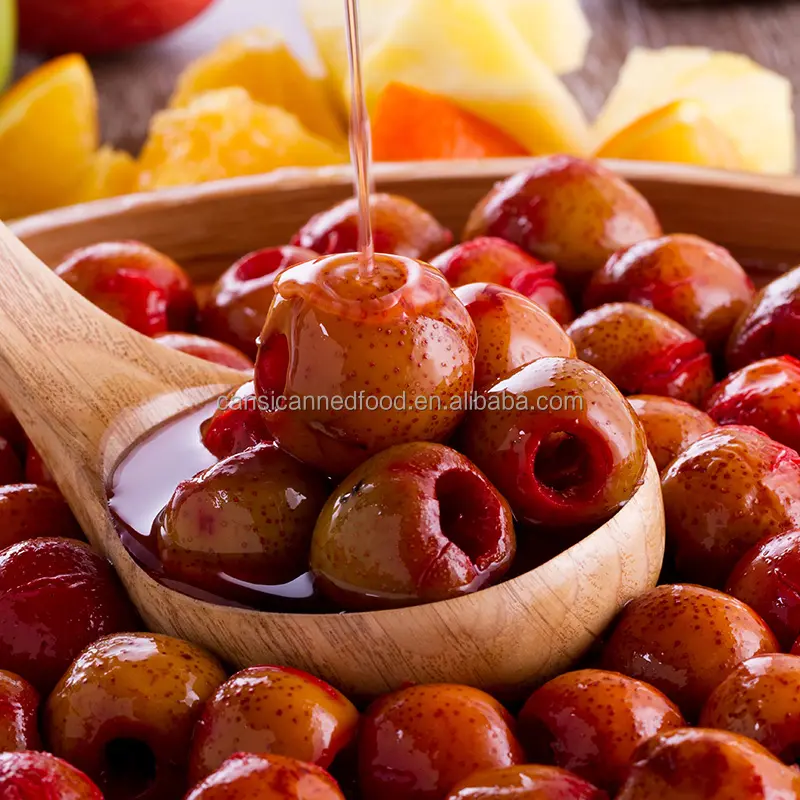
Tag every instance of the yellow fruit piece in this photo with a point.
(469, 52)
(261, 62)
(556, 30)
(48, 135)
(226, 134)
(750, 105)
(325, 20)
(679, 132)
(111, 173)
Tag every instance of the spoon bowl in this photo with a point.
(86, 388)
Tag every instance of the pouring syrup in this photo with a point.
(360, 140)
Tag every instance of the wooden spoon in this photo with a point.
(85, 388)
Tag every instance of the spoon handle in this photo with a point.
(79, 380)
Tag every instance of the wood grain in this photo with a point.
(134, 85)
(206, 228)
(85, 387)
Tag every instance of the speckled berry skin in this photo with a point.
(771, 324)
(29, 511)
(768, 579)
(19, 714)
(10, 466)
(569, 450)
(685, 640)
(399, 227)
(760, 699)
(574, 212)
(128, 688)
(56, 596)
(207, 349)
(41, 776)
(133, 283)
(236, 425)
(399, 335)
(512, 331)
(249, 517)
(417, 523)
(591, 722)
(488, 259)
(240, 299)
(696, 283)
(643, 352)
(764, 394)
(671, 425)
(272, 710)
(246, 776)
(528, 782)
(703, 764)
(417, 743)
(729, 489)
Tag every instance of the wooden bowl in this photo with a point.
(208, 227)
(506, 638)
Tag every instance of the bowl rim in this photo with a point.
(289, 178)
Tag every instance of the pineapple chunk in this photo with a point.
(325, 20)
(646, 80)
(556, 30)
(751, 105)
(261, 62)
(469, 52)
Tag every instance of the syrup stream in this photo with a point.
(360, 140)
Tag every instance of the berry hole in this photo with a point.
(272, 365)
(131, 765)
(469, 514)
(562, 463)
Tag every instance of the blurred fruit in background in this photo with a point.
(224, 134)
(750, 105)
(470, 52)
(48, 136)
(8, 37)
(99, 26)
(556, 30)
(681, 132)
(444, 79)
(110, 174)
(414, 125)
(260, 61)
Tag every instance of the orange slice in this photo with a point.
(110, 174)
(679, 132)
(260, 62)
(48, 135)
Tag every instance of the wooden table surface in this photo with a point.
(134, 85)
